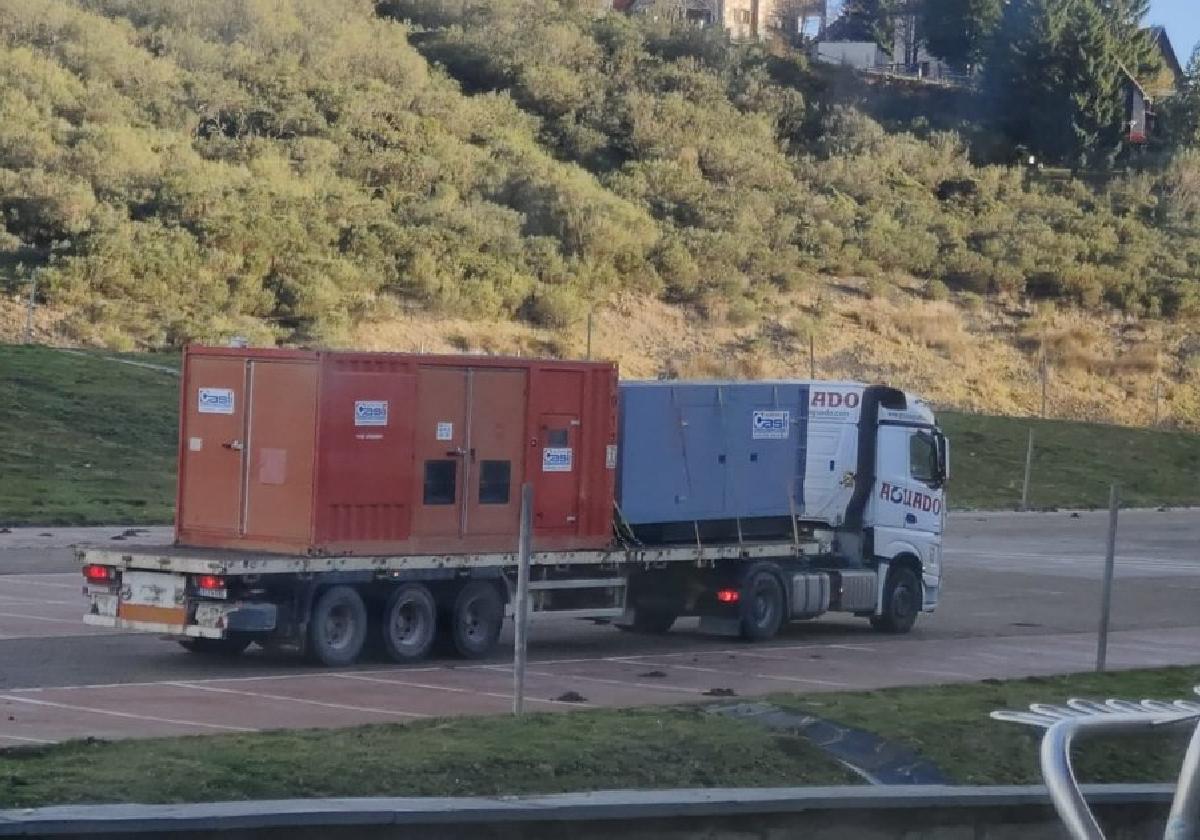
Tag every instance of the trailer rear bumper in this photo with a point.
(209, 620)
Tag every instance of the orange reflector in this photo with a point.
(96, 573)
(728, 596)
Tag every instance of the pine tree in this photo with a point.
(960, 31)
(866, 20)
(1059, 76)
(1182, 112)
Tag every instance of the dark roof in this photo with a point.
(1163, 41)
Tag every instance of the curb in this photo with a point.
(78, 820)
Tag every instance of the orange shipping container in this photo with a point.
(385, 453)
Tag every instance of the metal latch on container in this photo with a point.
(235, 445)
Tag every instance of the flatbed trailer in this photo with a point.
(222, 600)
(330, 500)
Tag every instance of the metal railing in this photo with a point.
(1086, 718)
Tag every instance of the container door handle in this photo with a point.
(457, 452)
(235, 445)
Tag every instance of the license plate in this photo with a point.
(153, 597)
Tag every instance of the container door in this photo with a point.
(213, 446)
(440, 451)
(280, 438)
(494, 466)
(556, 503)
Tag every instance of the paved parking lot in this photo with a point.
(1020, 599)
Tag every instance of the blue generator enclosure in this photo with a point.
(696, 451)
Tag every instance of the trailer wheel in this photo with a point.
(409, 623)
(337, 627)
(901, 603)
(229, 646)
(762, 606)
(476, 619)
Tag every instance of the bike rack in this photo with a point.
(1085, 718)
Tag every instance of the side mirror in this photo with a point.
(943, 456)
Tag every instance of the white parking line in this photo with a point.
(23, 581)
(605, 681)
(432, 687)
(25, 740)
(10, 600)
(128, 715)
(283, 697)
(75, 621)
(734, 674)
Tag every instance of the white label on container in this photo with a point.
(215, 401)
(370, 412)
(771, 425)
(556, 459)
(610, 456)
(195, 444)
(445, 431)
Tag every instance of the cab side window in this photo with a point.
(922, 458)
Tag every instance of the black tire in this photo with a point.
(650, 622)
(901, 602)
(229, 646)
(337, 627)
(763, 606)
(476, 620)
(409, 623)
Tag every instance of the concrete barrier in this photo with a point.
(820, 813)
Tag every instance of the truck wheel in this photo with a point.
(901, 603)
(762, 606)
(476, 619)
(650, 622)
(409, 623)
(229, 646)
(337, 627)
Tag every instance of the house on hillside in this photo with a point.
(1170, 77)
(742, 19)
(1142, 95)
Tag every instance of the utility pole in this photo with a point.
(1110, 555)
(589, 335)
(812, 357)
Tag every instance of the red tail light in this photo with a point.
(210, 582)
(728, 596)
(96, 573)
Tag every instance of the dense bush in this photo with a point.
(285, 168)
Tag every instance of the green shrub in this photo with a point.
(936, 290)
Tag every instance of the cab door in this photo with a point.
(908, 487)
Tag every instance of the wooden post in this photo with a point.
(812, 357)
(1110, 561)
(1045, 376)
(33, 278)
(589, 335)
(1028, 472)
(521, 613)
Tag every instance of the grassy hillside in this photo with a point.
(84, 440)
(305, 170)
(91, 440)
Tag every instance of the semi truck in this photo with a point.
(333, 501)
